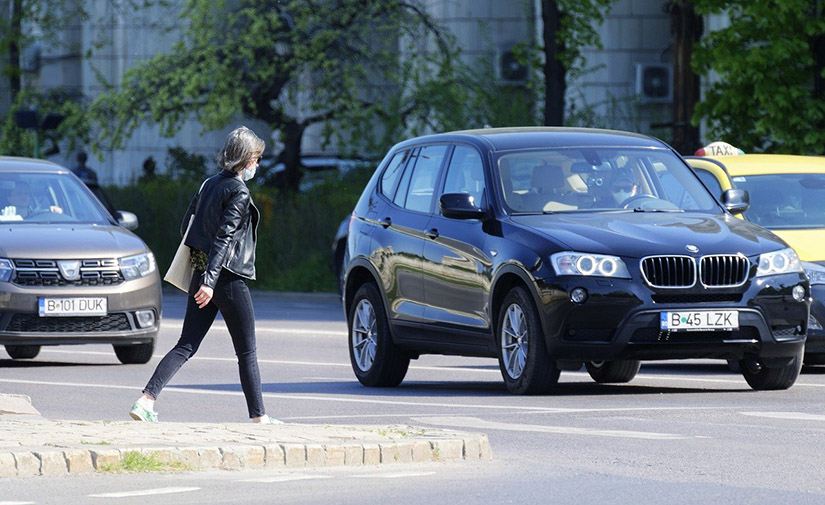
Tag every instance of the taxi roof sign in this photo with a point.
(718, 149)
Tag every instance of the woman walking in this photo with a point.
(221, 239)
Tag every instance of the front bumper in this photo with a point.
(20, 323)
(620, 320)
(816, 324)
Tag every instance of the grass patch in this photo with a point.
(135, 462)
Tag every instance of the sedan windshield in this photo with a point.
(588, 179)
(785, 201)
(37, 198)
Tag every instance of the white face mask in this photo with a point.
(622, 195)
(249, 173)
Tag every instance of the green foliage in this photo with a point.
(183, 165)
(258, 59)
(579, 22)
(769, 95)
(135, 462)
(294, 250)
(74, 128)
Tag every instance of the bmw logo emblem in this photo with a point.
(692, 248)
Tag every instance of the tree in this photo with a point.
(770, 63)
(569, 26)
(29, 25)
(290, 64)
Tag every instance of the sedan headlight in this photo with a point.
(593, 265)
(136, 266)
(784, 261)
(815, 273)
(6, 269)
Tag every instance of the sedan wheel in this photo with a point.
(612, 371)
(523, 358)
(375, 358)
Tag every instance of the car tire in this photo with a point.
(613, 371)
(762, 378)
(814, 359)
(23, 351)
(134, 354)
(523, 357)
(375, 359)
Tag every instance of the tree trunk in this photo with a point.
(14, 47)
(686, 28)
(818, 48)
(291, 155)
(555, 75)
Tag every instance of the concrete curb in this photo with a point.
(32, 447)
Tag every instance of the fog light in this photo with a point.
(813, 324)
(578, 295)
(145, 318)
(798, 293)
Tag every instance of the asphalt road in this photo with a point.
(681, 432)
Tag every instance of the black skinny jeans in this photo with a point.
(231, 296)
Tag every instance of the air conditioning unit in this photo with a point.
(508, 69)
(654, 82)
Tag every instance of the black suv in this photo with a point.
(552, 248)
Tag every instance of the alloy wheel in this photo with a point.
(514, 341)
(364, 336)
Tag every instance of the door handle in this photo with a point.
(386, 222)
(432, 233)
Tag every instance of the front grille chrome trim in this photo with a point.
(669, 271)
(724, 270)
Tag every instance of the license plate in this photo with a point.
(700, 320)
(63, 307)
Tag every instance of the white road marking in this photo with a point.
(265, 329)
(793, 416)
(285, 478)
(396, 475)
(145, 492)
(472, 422)
(17, 503)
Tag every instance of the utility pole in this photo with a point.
(14, 47)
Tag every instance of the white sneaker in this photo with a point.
(265, 419)
(141, 413)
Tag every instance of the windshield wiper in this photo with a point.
(639, 209)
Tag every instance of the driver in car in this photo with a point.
(20, 203)
(623, 187)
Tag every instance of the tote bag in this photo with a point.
(180, 271)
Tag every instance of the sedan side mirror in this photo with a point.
(736, 201)
(460, 206)
(126, 219)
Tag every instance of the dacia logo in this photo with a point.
(69, 269)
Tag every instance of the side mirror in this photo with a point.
(460, 206)
(736, 201)
(126, 219)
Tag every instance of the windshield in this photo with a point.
(36, 198)
(589, 179)
(785, 201)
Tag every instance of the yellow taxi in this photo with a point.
(787, 196)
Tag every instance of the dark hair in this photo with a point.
(81, 157)
(241, 147)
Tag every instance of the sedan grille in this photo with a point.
(724, 270)
(26, 323)
(93, 272)
(669, 271)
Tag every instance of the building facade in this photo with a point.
(626, 85)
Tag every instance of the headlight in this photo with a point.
(6, 269)
(140, 265)
(783, 261)
(815, 273)
(594, 265)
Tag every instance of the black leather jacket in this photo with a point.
(225, 227)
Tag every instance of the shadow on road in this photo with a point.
(13, 363)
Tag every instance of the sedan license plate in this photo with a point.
(64, 307)
(699, 320)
